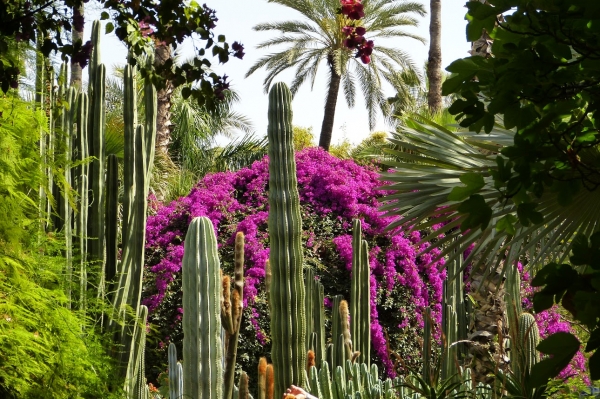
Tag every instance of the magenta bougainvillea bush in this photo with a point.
(332, 193)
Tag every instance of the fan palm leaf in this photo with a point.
(431, 165)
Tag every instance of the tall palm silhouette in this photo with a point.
(318, 38)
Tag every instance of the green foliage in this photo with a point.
(542, 81)
(19, 168)
(169, 22)
(303, 138)
(45, 352)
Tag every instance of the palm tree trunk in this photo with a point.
(434, 62)
(162, 53)
(489, 327)
(77, 36)
(328, 118)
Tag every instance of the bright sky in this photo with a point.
(236, 19)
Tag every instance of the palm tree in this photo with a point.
(319, 38)
(77, 36)
(434, 62)
(162, 54)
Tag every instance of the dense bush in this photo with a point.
(47, 350)
(332, 193)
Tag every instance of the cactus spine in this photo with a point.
(288, 322)
(360, 294)
(201, 284)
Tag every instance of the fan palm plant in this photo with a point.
(319, 38)
(438, 169)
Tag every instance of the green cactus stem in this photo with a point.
(82, 192)
(96, 125)
(112, 224)
(360, 292)
(175, 374)
(237, 304)
(288, 320)
(529, 338)
(201, 285)
(315, 317)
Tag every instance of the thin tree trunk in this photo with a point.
(77, 36)
(163, 110)
(434, 63)
(328, 118)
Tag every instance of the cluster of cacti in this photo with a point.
(92, 225)
(288, 320)
(355, 380)
(454, 319)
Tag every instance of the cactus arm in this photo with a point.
(288, 323)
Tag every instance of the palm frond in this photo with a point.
(433, 160)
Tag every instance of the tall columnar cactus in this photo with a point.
(135, 379)
(137, 171)
(234, 316)
(360, 295)
(513, 295)
(315, 317)
(175, 374)
(81, 173)
(450, 353)
(288, 320)
(66, 208)
(96, 124)
(201, 285)
(454, 318)
(112, 224)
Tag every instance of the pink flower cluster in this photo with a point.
(332, 193)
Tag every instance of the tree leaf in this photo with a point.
(473, 181)
(479, 213)
(561, 347)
